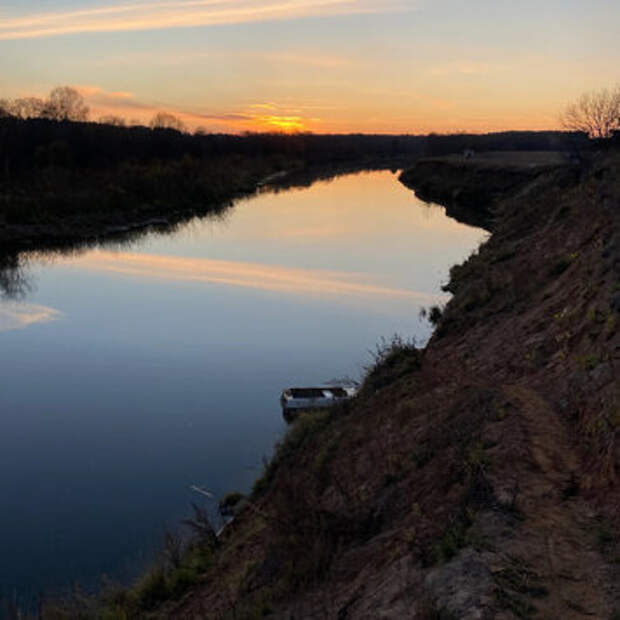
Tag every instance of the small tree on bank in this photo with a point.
(597, 113)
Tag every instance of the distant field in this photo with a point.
(512, 159)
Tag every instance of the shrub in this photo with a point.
(393, 359)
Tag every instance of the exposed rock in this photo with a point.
(463, 588)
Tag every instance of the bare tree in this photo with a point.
(597, 113)
(4, 108)
(65, 104)
(26, 107)
(164, 120)
(111, 119)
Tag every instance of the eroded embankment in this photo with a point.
(469, 187)
(475, 479)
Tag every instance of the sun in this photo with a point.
(286, 124)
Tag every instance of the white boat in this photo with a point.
(295, 400)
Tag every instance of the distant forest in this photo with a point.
(27, 144)
(55, 132)
(65, 177)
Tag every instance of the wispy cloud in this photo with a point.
(102, 98)
(273, 278)
(125, 104)
(254, 117)
(14, 315)
(183, 13)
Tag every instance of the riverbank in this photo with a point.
(475, 478)
(63, 182)
(63, 208)
(469, 187)
(86, 210)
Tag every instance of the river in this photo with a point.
(132, 371)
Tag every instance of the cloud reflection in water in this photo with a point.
(273, 278)
(15, 315)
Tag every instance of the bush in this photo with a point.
(306, 426)
(393, 359)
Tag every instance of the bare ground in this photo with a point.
(478, 479)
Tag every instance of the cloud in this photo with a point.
(14, 315)
(252, 117)
(227, 117)
(133, 16)
(125, 104)
(99, 97)
(259, 276)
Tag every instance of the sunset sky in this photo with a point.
(406, 66)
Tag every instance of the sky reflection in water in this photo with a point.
(147, 368)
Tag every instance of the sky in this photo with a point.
(371, 66)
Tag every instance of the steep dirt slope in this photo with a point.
(469, 187)
(475, 479)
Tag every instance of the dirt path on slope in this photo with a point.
(557, 542)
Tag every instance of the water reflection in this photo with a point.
(17, 283)
(14, 282)
(15, 315)
(158, 359)
(248, 275)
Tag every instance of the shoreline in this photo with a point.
(75, 231)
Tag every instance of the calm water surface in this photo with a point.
(131, 373)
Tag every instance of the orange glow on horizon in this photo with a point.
(286, 124)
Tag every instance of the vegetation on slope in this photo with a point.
(479, 477)
(475, 478)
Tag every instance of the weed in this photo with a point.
(520, 580)
(477, 458)
(202, 527)
(434, 314)
(392, 360)
(173, 549)
(452, 541)
(611, 324)
(229, 502)
(303, 430)
(588, 362)
(152, 589)
(516, 581)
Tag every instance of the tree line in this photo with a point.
(56, 132)
(67, 104)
